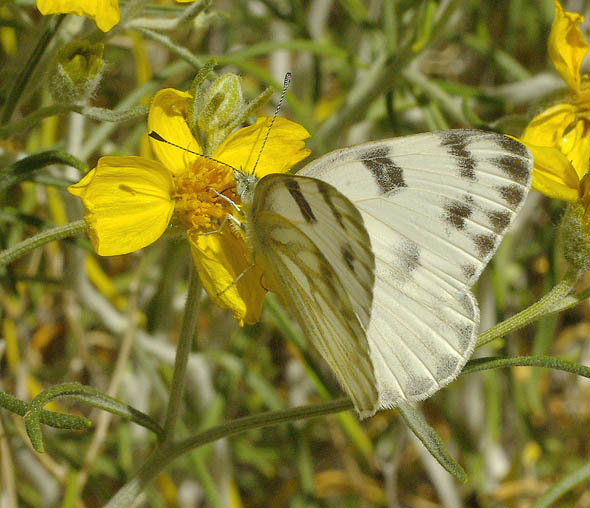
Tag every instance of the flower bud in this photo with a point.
(77, 71)
(575, 234)
(221, 103)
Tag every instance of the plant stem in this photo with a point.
(23, 78)
(57, 233)
(183, 349)
(545, 305)
(163, 456)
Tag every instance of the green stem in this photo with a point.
(548, 304)
(162, 457)
(99, 114)
(26, 246)
(23, 78)
(543, 361)
(183, 349)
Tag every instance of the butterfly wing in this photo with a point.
(315, 253)
(436, 207)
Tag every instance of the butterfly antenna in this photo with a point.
(157, 137)
(286, 84)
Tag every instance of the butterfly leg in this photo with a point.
(236, 280)
(229, 217)
(225, 198)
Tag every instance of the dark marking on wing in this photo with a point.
(327, 276)
(305, 208)
(484, 244)
(348, 256)
(410, 256)
(456, 145)
(465, 333)
(324, 190)
(405, 259)
(517, 164)
(469, 271)
(388, 175)
(499, 219)
(512, 194)
(417, 385)
(456, 212)
(446, 366)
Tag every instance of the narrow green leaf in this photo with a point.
(562, 487)
(425, 26)
(85, 394)
(24, 169)
(51, 418)
(430, 439)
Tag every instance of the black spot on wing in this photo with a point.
(499, 219)
(456, 145)
(326, 193)
(469, 271)
(515, 164)
(484, 244)
(512, 194)
(456, 212)
(304, 206)
(348, 256)
(388, 175)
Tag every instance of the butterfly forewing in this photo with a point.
(436, 207)
(316, 255)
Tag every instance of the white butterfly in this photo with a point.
(373, 248)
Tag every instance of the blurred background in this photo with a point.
(361, 71)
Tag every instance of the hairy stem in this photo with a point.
(183, 349)
(548, 304)
(26, 246)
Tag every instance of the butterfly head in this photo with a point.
(245, 184)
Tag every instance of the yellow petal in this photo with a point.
(284, 147)
(548, 127)
(127, 202)
(220, 258)
(104, 12)
(575, 145)
(167, 117)
(553, 175)
(567, 47)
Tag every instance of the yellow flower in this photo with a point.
(559, 137)
(104, 12)
(129, 201)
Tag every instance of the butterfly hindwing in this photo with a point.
(436, 207)
(315, 253)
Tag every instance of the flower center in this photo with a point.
(198, 206)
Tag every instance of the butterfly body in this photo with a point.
(375, 247)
